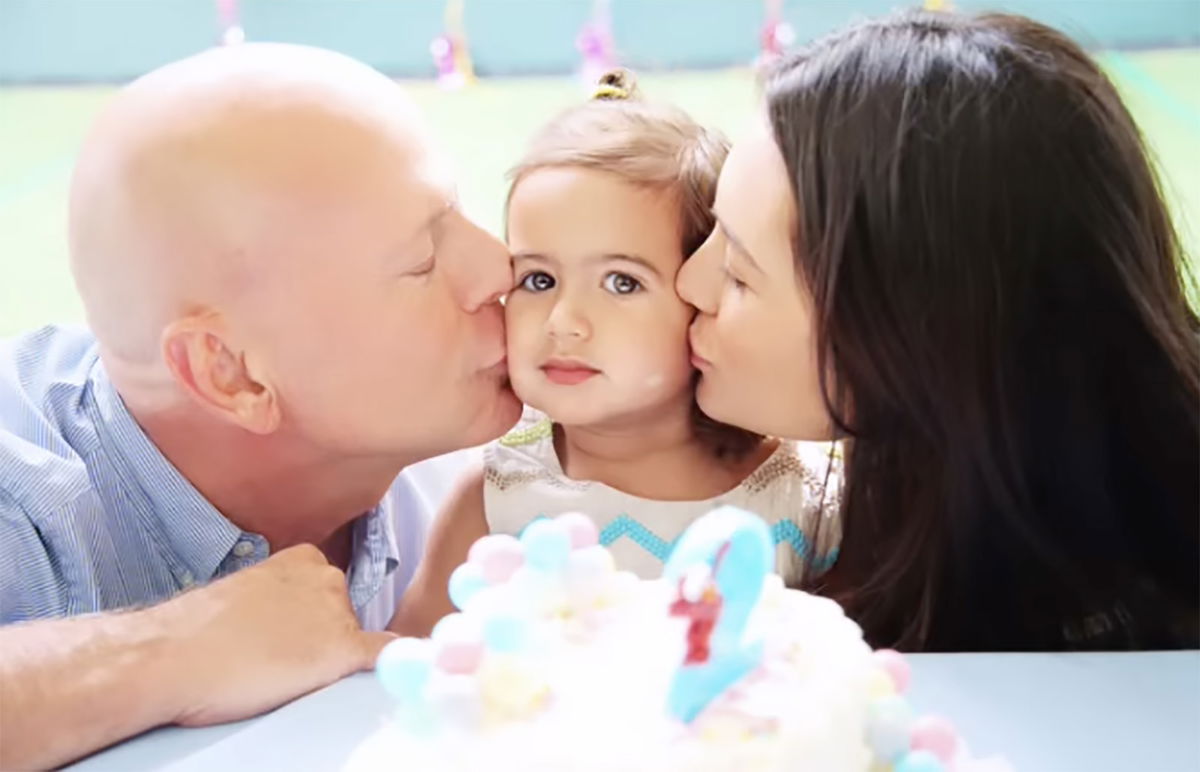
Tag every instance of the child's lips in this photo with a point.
(566, 372)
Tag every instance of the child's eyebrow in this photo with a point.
(635, 259)
(538, 256)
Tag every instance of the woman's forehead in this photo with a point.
(754, 197)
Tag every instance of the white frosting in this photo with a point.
(604, 680)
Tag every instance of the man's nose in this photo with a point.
(484, 270)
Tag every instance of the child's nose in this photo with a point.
(566, 321)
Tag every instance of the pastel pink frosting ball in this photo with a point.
(498, 556)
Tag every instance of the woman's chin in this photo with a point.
(709, 398)
(752, 413)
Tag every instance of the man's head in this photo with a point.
(266, 232)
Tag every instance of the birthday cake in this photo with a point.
(557, 661)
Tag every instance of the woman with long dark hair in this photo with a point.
(946, 245)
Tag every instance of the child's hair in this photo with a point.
(650, 145)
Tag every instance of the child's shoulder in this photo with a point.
(816, 465)
(524, 454)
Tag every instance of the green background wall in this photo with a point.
(113, 40)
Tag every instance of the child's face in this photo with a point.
(596, 332)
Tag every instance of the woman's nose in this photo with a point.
(698, 280)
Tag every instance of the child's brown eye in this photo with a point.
(537, 281)
(621, 284)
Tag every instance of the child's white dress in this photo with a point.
(796, 490)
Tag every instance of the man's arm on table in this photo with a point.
(233, 649)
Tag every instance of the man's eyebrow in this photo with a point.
(441, 212)
(423, 230)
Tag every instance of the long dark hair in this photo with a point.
(1002, 307)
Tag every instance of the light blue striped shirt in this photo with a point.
(94, 517)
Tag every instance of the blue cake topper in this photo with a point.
(730, 551)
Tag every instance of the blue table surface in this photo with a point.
(1128, 712)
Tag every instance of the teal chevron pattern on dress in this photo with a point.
(782, 532)
(639, 534)
(787, 532)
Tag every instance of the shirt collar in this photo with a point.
(198, 535)
(193, 530)
(375, 555)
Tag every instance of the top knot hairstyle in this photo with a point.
(618, 84)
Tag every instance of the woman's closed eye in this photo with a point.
(731, 275)
(733, 280)
(621, 283)
(536, 281)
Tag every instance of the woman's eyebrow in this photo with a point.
(738, 244)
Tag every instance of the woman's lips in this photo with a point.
(698, 361)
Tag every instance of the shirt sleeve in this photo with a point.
(31, 584)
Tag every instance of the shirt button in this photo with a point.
(187, 580)
(243, 549)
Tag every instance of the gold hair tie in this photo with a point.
(606, 91)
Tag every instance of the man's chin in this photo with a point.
(511, 406)
(504, 413)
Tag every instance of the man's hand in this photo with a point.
(265, 636)
(233, 649)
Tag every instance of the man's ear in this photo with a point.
(215, 374)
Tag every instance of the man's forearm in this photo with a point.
(73, 686)
(226, 651)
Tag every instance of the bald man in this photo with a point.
(286, 308)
